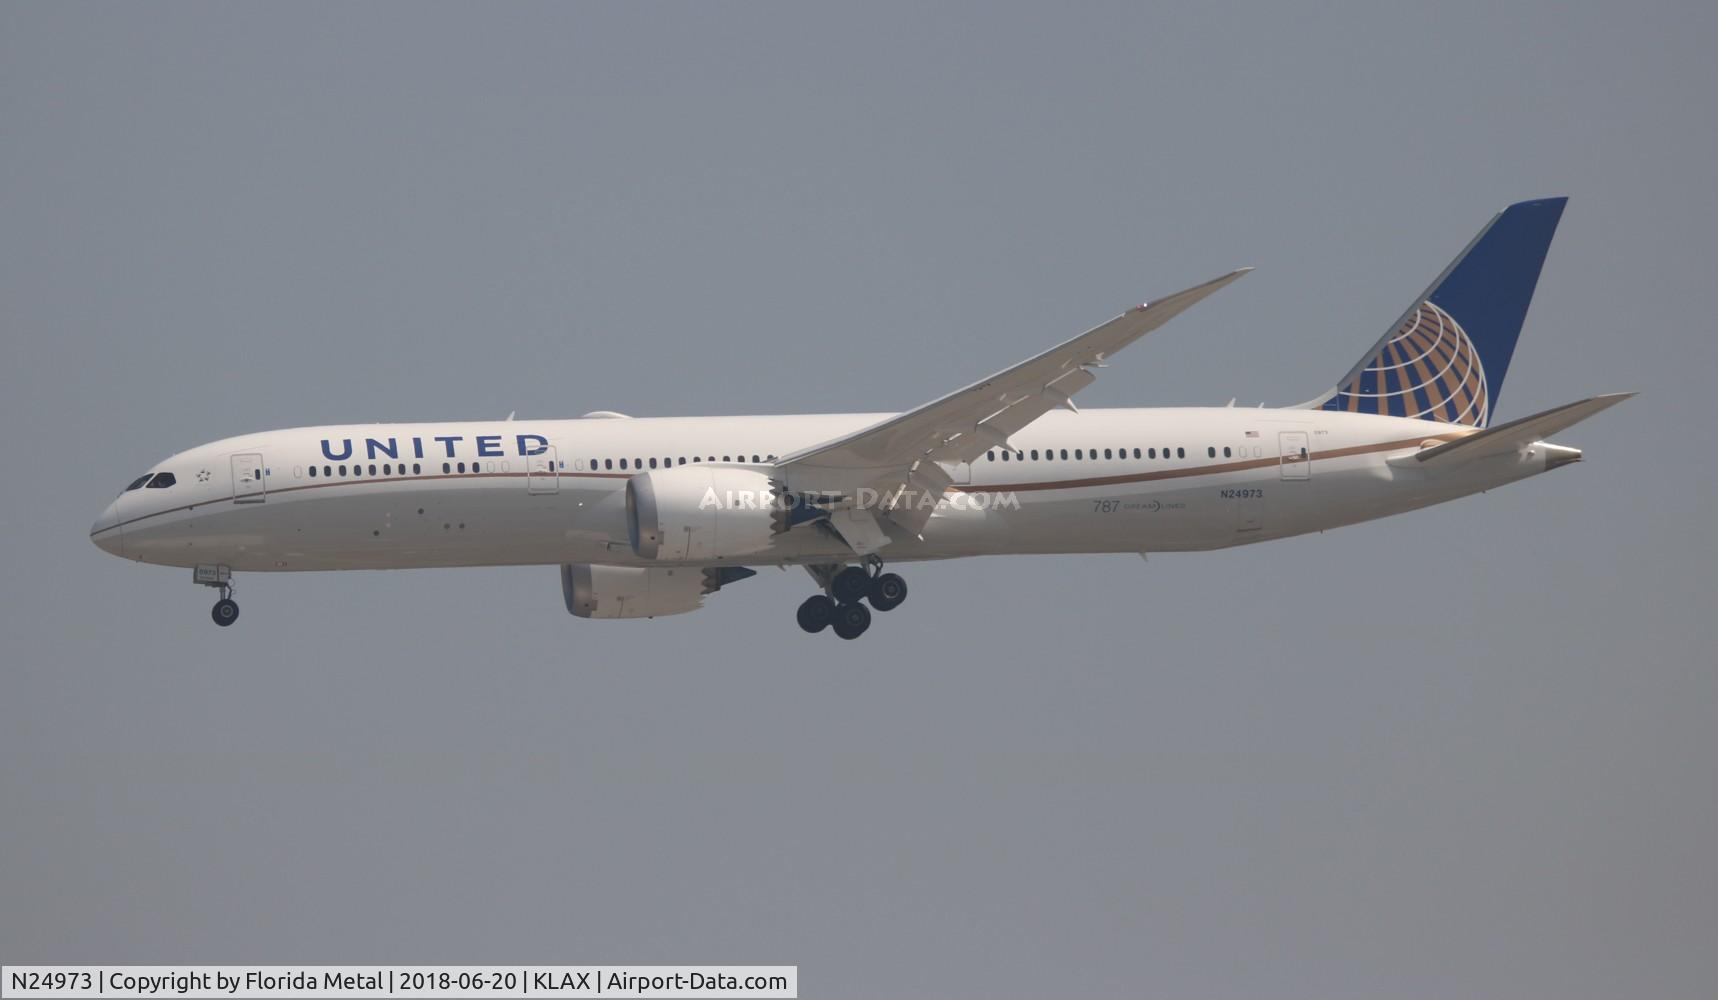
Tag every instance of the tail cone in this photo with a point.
(1556, 456)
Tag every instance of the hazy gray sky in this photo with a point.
(1468, 751)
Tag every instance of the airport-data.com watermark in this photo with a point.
(863, 499)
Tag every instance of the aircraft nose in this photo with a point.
(106, 533)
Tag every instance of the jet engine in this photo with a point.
(642, 591)
(692, 513)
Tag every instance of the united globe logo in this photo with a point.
(1428, 369)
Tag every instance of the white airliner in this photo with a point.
(647, 517)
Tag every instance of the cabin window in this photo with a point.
(1079, 453)
(623, 463)
(756, 459)
(446, 468)
(1108, 454)
(1136, 453)
(1210, 453)
(1064, 454)
(653, 463)
(1005, 456)
(1151, 452)
(1225, 451)
(313, 472)
(1181, 453)
(342, 472)
(989, 456)
(372, 470)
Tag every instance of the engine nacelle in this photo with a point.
(692, 513)
(631, 591)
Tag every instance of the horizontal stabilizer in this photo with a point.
(1518, 434)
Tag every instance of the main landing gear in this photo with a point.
(841, 607)
(226, 610)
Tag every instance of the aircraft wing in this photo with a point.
(908, 455)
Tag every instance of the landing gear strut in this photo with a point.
(226, 610)
(847, 589)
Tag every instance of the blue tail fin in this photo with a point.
(1445, 359)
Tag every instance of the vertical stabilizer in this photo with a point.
(1445, 359)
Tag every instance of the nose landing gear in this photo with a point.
(226, 610)
(842, 607)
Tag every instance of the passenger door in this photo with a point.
(1296, 459)
(543, 474)
(248, 485)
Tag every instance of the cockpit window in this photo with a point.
(161, 481)
(138, 482)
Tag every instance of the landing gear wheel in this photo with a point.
(816, 613)
(887, 592)
(851, 620)
(225, 612)
(850, 585)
